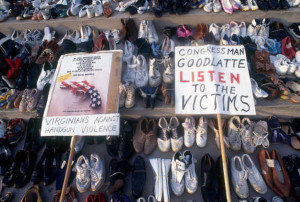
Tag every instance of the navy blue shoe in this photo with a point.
(276, 133)
(263, 5)
(273, 4)
(62, 171)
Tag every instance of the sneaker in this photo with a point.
(130, 95)
(83, 11)
(208, 6)
(163, 138)
(247, 135)
(176, 139)
(253, 5)
(90, 11)
(14, 131)
(122, 95)
(142, 73)
(227, 7)
(143, 30)
(189, 131)
(217, 6)
(33, 99)
(142, 9)
(225, 30)
(243, 29)
(130, 71)
(190, 177)
(98, 8)
(234, 29)
(252, 31)
(116, 35)
(239, 177)
(97, 172)
(167, 47)
(225, 40)
(178, 167)
(83, 176)
(201, 132)
(254, 176)
(168, 74)
(215, 30)
(128, 51)
(151, 32)
(234, 137)
(154, 73)
(295, 29)
(244, 5)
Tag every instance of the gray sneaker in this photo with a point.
(247, 135)
(239, 177)
(190, 177)
(254, 175)
(178, 167)
(97, 172)
(176, 140)
(233, 134)
(260, 134)
(83, 177)
(189, 131)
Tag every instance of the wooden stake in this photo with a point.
(224, 162)
(67, 174)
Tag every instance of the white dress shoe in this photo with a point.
(163, 138)
(176, 139)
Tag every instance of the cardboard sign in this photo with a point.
(212, 79)
(83, 99)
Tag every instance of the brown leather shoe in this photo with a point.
(263, 156)
(150, 143)
(280, 176)
(199, 32)
(139, 136)
(205, 30)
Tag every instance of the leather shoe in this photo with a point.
(221, 183)
(126, 148)
(138, 176)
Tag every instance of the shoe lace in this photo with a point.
(260, 140)
(94, 176)
(243, 176)
(201, 130)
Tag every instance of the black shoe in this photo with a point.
(138, 178)
(43, 101)
(62, 144)
(38, 141)
(10, 176)
(32, 75)
(295, 29)
(52, 166)
(273, 4)
(283, 4)
(26, 169)
(20, 81)
(209, 182)
(221, 182)
(6, 159)
(38, 171)
(292, 164)
(14, 131)
(29, 134)
(126, 149)
(112, 145)
(25, 51)
(9, 48)
(7, 197)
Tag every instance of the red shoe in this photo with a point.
(288, 48)
(100, 197)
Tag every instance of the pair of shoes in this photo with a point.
(201, 31)
(95, 198)
(291, 163)
(249, 5)
(127, 94)
(138, 178)
(90, 174)
(169, 135)
(183, 174)
(30, 99)
(147, 31)
(243, 169)
(144, 139)
(14, 131)
(10, 99)
(274, 172)
(33, 141)
(283, 65)
(155, 7)
(192, 133)
(259, 28)
(161, 169)
(212, 6)
(240, 134)
(47, 167)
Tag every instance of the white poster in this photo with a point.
(212, 79)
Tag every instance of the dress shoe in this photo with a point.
(126, 149)
(150, 142)
(112, 145)
(139, 137)
(38, 171)
(52, 166)
(26, 168)
(138, 178)
(29, 134)
(221, 183)
(163, 139)
(209, 182)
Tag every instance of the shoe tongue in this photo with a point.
(180, 163)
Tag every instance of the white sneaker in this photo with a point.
(189, 131)
(167, 47)
(142, 9)
(122, 6)
(281, 67)
(244, 5)
(215, 30)
(45, 77)
(254, 176)
(190, 177)
(243, 29)
(225, 30)
(233, 134)
(252, 31)
(208, 6)
(247, 135)
(130, 95)
(253, 5)
(143, 30)
(83, 177)
(154, 74)
(75, 9)
(201, 132)
(98, 7)
(142, 72)
(97, 172)
(83, 11)
(176, 140)
(90, 11)
(234, 29)
(152, 34)
(217, 6)
(169, 72)
(47, 34)
(239, 177)
(178, 167)
(128, 51)
(130, 71)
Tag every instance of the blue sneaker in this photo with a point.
(270, 46)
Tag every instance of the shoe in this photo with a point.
(214, 126)
(126, 149)
(167, 47)
(163, 139)
(128, 51)
(209, 182)
(112, 145)
(139, 136)
(234, 29)
(83, 176)
(83, 11)
(201, 132)
(253, 5)
(2, 128)
(39, 169)
(178, 167)
(151, 133)
(239, 177)
(233, 134)
(295, 30)
(90, 11)
(227, 7)
(90, 198)
(215, 30)
(217, 6)
(190, 177)
(176, 139)
(169, 72)
(7, 197)
(208, 6)
(260, 134)
(4, 15)
(14, 131)
(32, 194)
(33, 99)
(244, 5)
(138, 178)
(247, 135)
(154, 74)
(52, 165)
(276, 134)
(43, 101)
(254, 176)
(97, 172)
(152, 34)
(142, 73)
(189, 131)
(26, 168)
(221, 197)
(130, 95)
(257, 91)
(100, 197)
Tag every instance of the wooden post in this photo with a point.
(67, 174)
(224, 163)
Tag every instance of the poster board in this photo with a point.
(83, 98)
(212, 79)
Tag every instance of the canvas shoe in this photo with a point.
(163, 138)
(239, 177)
(201, 132)
(154, 74)
(215, 30)
(176, 139)
(130, 95)
(97, 172)
(45, 77)
(208, 6)
(225, 30)
(83, 176)
(178, 167)
(254, 176)
(244, 5)
(189, 131)
(142, 73)
(128, 51)
(152, 34)
(90, 11)
(247, 135)
(98, 8)
(190, 177)
(227, 7)
(233, 134)
(234, 29)
(217, 6)
(168, 74)
(243, 29)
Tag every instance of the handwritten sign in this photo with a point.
(212, 79)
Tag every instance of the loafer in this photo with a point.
(26, 168)
(221, 197)
(52, 166)
(39, 169)
(138, 178)
(209, 181)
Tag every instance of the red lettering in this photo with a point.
(211, 75)
(200, 76)
(236, 78)
(181, 79)
(193, 76)
(221, 77)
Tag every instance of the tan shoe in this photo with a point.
(33, 99)
(24, 101)
(11, 98)
(150, 142)
(18, 99)
(139, 136)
